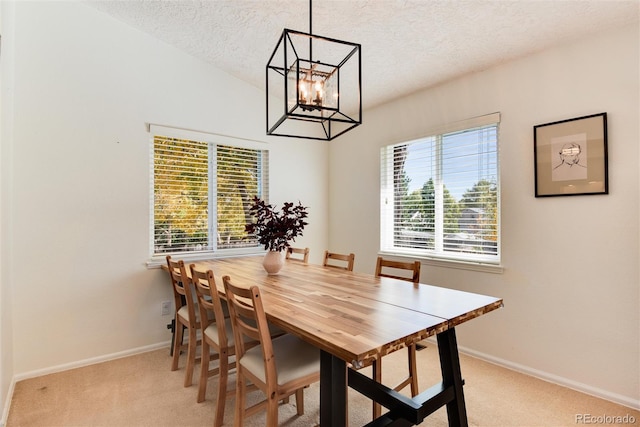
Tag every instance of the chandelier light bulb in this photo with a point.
(318, 98)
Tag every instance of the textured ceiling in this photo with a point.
(406, 44)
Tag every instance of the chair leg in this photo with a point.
(204, 371)
(240, 400)
(300, 401)
(377, 377)
(413, 369)
(177, 343)
(222, 387)
(272, 409)
(191, 357)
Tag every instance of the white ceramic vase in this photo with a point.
(273, 262)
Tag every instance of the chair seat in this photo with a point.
(212, 332)
(184, 313)
(294, 359)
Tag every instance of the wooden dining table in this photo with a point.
(354, 318)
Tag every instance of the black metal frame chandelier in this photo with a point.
(313, 86)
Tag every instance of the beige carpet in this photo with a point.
(141, 391)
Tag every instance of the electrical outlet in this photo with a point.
(166, 308)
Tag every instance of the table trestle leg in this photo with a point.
(452, 377)
(333, 391)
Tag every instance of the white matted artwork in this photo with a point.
(571, 157)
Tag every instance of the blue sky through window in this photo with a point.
(467, 157)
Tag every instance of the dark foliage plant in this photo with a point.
(276, 228)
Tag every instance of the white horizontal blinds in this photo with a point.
(181, 188)
(439, 194)
(470, 180)
(413, 170)
(240, 177)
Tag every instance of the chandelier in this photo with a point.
(313, 86)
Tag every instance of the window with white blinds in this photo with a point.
(440, 194)
(202, 193)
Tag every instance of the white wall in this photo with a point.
(571, 279)
(6, 127)
(85, 84)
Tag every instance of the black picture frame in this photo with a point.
(571, 157)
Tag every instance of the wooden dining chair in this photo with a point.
(393, 269)
(301, 254)
(187, 317)
(279, 367)
(330, 259)
(217, 335)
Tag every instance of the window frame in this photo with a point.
(387, 220)
(213, 141)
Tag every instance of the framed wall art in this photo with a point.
(571, 157)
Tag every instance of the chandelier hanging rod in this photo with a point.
(310, 33)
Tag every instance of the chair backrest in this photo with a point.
(330, 257)
(302, 252)
(209, 302)
(248, 320)
(414, 267)
(182, 287)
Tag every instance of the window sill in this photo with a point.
(452, 263)
(160, 260)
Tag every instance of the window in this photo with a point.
(440, 194)
(201, 195)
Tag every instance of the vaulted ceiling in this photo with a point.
(406, 44)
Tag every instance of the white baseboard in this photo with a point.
(73, 365)
(91, 361)
(7, 403)
(565, 382)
